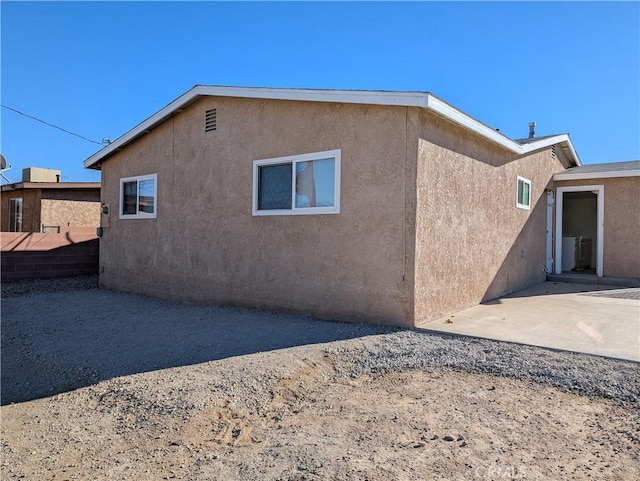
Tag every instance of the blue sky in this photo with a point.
(98, 69)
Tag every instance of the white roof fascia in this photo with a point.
(408, 99)
(160, 115)
(457, 116)
(596, 175)
(380, 97)
(556, 139)
(405, 99)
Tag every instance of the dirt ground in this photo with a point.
(435, 423)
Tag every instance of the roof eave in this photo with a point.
(448, 111)
(405, 99)
(51, 185)
(596, 175)
(562, 139)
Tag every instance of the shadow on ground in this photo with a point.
(53, 343)
(550, 288)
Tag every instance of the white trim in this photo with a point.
(376, 97)
(549, 245)
(16, 211)
(405, 99)
(526, 206)
(335, 209)
(596, 175)
(599, 191)
(139, 215)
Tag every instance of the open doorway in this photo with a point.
(579, 234)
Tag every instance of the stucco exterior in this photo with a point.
(428, 222)
(621, 230)
(473, 244)
(53, 204)
(205, 245)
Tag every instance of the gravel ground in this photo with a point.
(109, 385)
(41, 286)
(90, 336)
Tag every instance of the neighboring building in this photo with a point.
(389, 207)
(41, 203)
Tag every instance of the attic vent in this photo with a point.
(553, 151)
(210, 120)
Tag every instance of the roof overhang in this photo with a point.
(51, 185)
(596, 175)
(405, 99)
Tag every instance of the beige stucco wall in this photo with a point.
(70, 213)
(472, 243)
(206, 246)
(621, 254)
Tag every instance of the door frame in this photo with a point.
(548, 265)
(599, 191)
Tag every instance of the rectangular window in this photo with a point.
(15, 214)
(523, 197)
(297, 184)
(138, 199)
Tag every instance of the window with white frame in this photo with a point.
(297, 184)
(15, 214)
(523, 196)
(138, 197)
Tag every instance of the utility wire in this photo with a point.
(50, 125)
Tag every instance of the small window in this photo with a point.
(15, 214)
(138, 199)
(523, 199)
(298, 184)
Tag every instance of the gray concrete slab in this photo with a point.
(593, 319)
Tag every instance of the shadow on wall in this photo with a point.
(58, 342)
(452, 137)
(523, 266)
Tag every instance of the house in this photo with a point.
(49, 228)
(41, 203)
(388, 207)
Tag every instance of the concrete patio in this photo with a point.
(593, 319)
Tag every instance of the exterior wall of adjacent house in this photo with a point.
(472, 243)
(621, 254)
(70, 208)
(63, 208)
(206, 246)
(30, 209)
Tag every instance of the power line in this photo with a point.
(50, 125)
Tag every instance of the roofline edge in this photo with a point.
(596, 175)
(407, 99)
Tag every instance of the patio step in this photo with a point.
(589, 279)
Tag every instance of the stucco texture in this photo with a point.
(70, 213)
(621, 230)
(53, 207)
(472, 243)
(428, 223)
(206, 246)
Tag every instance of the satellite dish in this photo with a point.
(4, 165)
